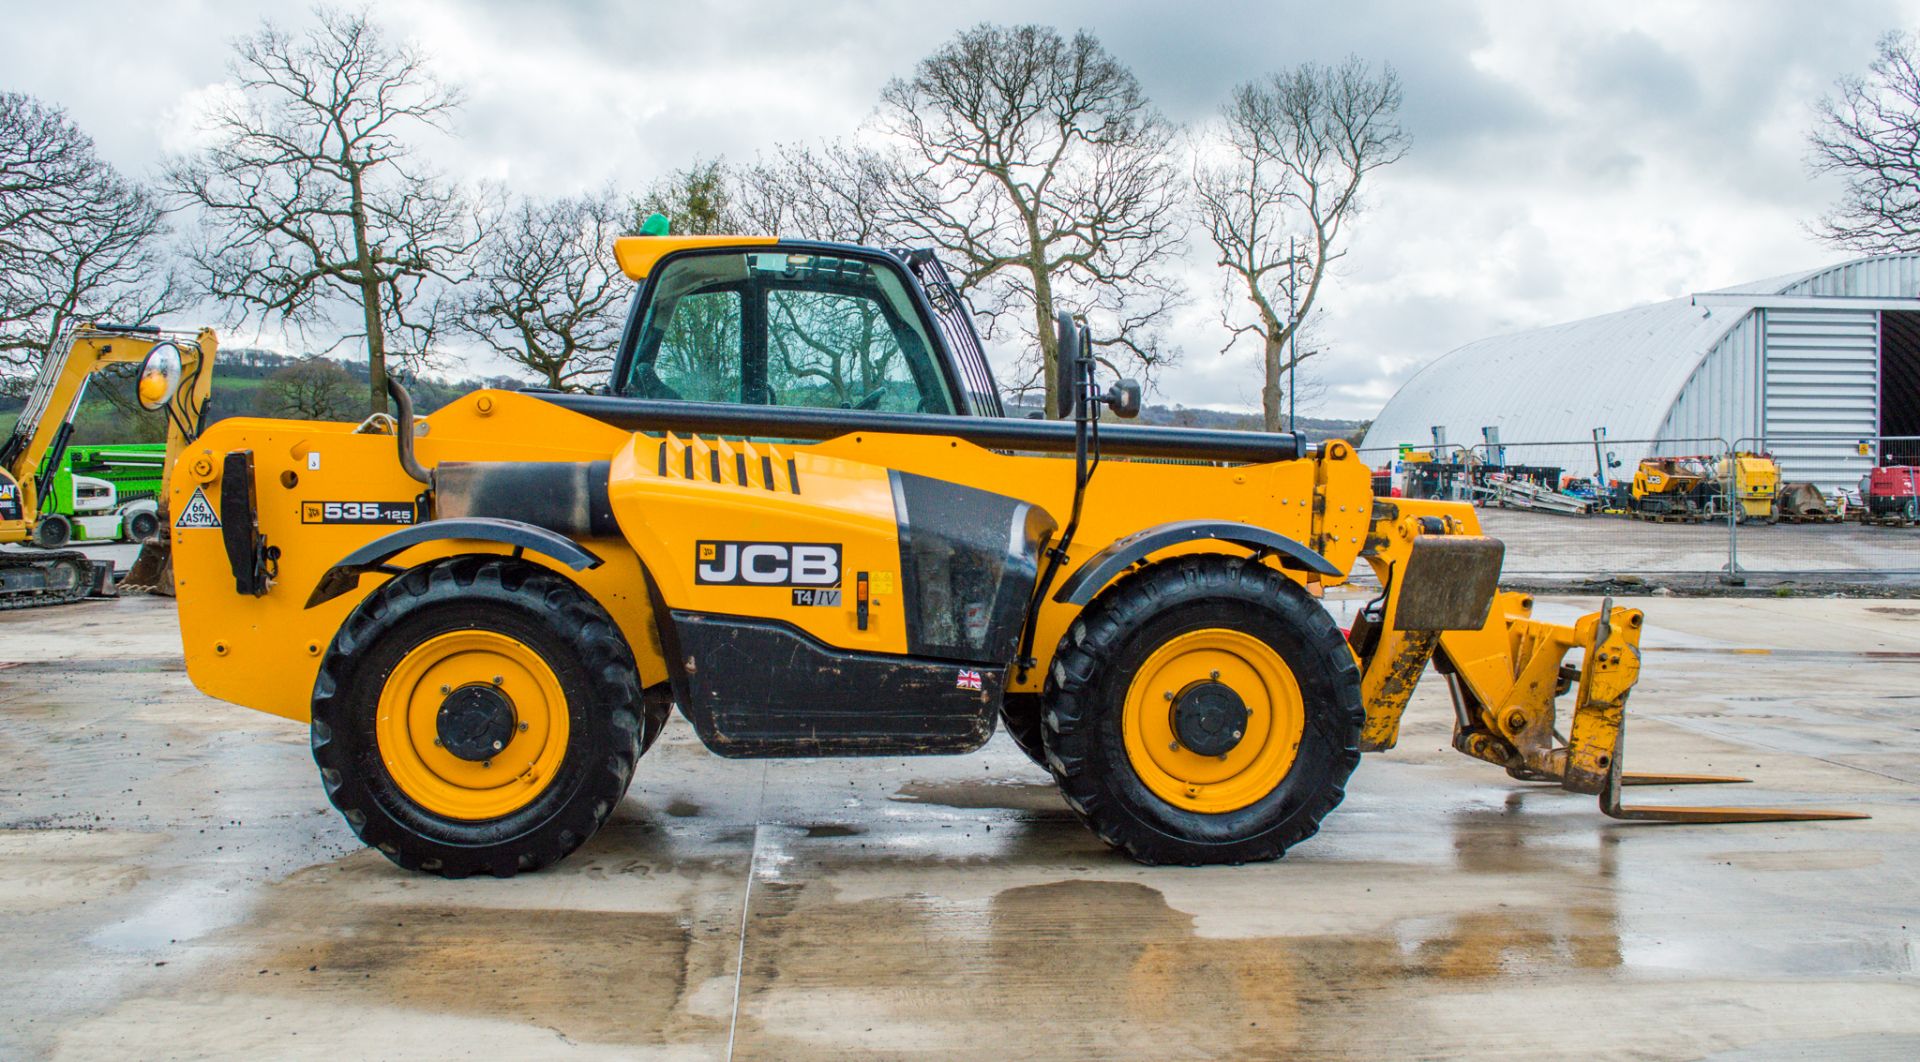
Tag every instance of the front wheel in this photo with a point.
(1205, 710)
(477, 715)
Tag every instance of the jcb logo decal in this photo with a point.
(767, 564)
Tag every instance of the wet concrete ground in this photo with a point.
(172, 884)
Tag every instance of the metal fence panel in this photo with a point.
(1558, 522)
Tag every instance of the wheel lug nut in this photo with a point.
(1214, 674)
(1168, 695)
(523, 728)
(497, 680)
(436, 743)
(444, 690)
(486, 763)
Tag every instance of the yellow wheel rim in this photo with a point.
(407, 728)
(1276, 719)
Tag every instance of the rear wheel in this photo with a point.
(1206, 710)
(477, 715)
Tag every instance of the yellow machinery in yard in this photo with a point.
(1673, 489)
(799, 513)
(1752, 482)
(175, 377)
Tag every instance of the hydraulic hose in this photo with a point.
(403, 431)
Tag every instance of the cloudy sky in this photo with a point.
(1568, 158)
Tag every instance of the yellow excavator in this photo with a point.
(174, 378)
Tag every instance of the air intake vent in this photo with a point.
(736, 463)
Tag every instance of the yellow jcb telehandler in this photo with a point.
(799, 514)
(175, 377)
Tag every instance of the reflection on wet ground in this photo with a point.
(170, 875)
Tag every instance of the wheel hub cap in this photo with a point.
(475, 722)
(447, 702)
(1213, 720)
(1209, 718)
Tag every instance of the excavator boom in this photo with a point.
(176, 378)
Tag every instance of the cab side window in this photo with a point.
(699, 354)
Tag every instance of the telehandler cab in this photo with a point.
(800, 514)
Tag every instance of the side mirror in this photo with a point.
(1067, 381)
(1123, 398)
(159, 377)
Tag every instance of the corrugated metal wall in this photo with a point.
(1822, 379)
(1722, 398)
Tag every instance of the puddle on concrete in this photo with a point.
(550, 951)
(833, 829)
(176, 916)
(984, 793)
(1092, 968)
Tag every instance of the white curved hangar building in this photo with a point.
(1814, 366)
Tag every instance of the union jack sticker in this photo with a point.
(968, 680)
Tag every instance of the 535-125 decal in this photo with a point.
(357, 512)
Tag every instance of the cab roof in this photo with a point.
(638, 254)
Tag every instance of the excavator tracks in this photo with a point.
(32, 579)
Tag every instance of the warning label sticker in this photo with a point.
(198, 511)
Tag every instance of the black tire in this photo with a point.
(1087, 687)
(555, 619)
(53, 531)
(143, 525)
(657, 705)
(1020, 717)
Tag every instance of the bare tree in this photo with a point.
(313, 388)
(1279, 180)
(1869, 135)
(77, 240)
(312, 197)
(544, 292)
(837, 191)
(697, 200)
(1039, 163)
